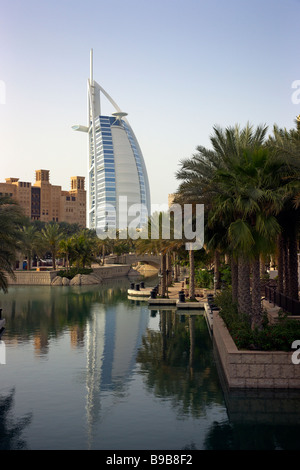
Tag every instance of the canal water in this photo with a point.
(87, 368)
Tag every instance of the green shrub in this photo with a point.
(73, 272)
(271, 337)
(225, 273)
(204, 278)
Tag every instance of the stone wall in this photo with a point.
(108, 272)
(45, 278)
(253, 369)
(34, 278)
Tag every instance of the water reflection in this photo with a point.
(259, 419)
(177, 363)
(11, 429)
(113, 336)
(108, 361)
(42, 313)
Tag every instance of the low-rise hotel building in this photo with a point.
(47, 202)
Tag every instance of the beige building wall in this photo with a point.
(18, 190)
(73, 203)
(50, 204)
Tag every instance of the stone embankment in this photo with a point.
(78, 280)
(50, 278)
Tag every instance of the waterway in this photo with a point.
(87, 368)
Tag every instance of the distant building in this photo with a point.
(117, 170)
(46, 202)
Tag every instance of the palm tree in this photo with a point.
(225, 179)
(66, 250)
(84, 247)
(11, 220)
(29, 242)
(158, 245)
(285, 145)
(250, 198)
(51, 236)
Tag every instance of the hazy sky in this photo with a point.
(177, 67)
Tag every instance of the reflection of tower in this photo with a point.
(95, 332)
(116, 165)
(114, 333)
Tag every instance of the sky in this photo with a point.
(177, 67)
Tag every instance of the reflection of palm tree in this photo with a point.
(165, 364)
(11, 432)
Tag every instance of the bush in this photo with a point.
(204, 278)
(271, 337)
(73, 272)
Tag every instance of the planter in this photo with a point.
(253, 369)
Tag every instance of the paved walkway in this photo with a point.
(173, 291)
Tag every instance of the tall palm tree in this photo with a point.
(225, 179)
(250, 197)
(285, 144)
(66, 249)
(51, 236)
(11, 220)
(29, 242)
(84, 247)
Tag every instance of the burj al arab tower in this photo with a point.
(117, 175)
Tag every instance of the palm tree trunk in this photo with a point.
(28, 262)
(175, 267)
(280, 263)
(244, 296)
(163, 272)
(256, 294)
(293, 265)
(169, 268)
(217, 269)
(234, 279)
(262, 262)
(286, 277)
(192, 275)
(54, 259)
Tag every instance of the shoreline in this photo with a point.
(50, 278)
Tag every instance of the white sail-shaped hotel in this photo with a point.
(117, 176)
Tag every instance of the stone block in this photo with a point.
(257, 371)
(243, 370)
(65, 281)
(273, 371)
(57, 281)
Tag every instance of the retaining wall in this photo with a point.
(33, 278)
(44, 278)
(253, 369)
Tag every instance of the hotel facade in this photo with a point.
(46, 202)
(117, 175)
